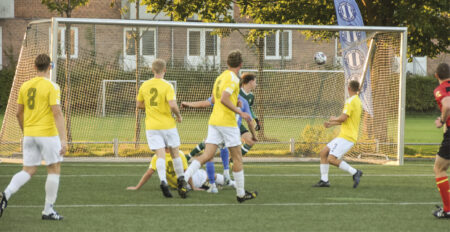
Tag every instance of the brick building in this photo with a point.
(192, 47)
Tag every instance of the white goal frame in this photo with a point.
(144, 23)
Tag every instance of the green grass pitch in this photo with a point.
(92, 197)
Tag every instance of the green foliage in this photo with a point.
(313, 138)
(6, 80)
(427, 21)
(63, 6)
(419, 94)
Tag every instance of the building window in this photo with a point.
(73, 42)
(278, 46)
(203, 48)
(147, 44)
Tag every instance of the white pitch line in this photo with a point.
(249, 175)
(228, 204)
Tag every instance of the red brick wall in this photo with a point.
(94, 9)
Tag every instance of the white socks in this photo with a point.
(161, 168)
(178, 166)
(226, 174)
(324, 171)
(17, 181)
(195, 165)
(51, 191)
(239, 178)
(220, 180)
(346, 167)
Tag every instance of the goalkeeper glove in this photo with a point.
(258, 125)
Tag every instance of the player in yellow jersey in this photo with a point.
(157, 97)
(41, 120)
(333, 152)
(197, 182)
(222, 128)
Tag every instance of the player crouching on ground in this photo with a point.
(442, 162)
(42, 123)
(333, 152)
(198, 181)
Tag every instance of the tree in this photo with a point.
(65, 7)
(427, 21)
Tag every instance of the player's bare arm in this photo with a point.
(59, 122)
(335, 121)
(19, 115)
(140, 105)
(225, 100)
(174, 108)
(440, 121)
(251, 127)
(197, 104)
(147, 175)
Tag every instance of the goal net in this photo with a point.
(293, 97)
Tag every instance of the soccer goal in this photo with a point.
(293, 97)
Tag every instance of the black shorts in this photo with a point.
(243, 129)
(444, 149)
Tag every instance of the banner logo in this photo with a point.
(346, 11)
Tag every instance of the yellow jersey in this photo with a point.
(156, 94)
(37, 95)
(350, 127)
(170, 171)
(222, 115)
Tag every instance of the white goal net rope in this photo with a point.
(293, 98)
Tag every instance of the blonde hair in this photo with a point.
(158, 66)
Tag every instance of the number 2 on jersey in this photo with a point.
(31, 94)
(153, 91)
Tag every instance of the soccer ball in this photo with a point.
(320, 58)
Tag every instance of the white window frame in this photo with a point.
(62, 30)
(203, 59)
(130, 60)
(277, 47)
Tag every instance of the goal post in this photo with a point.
(293, 97)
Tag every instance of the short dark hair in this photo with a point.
(42, 62)
(442, 71)
(354, 85)
(234, 58)
(247, 77)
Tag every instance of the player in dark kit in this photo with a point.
(442, 95)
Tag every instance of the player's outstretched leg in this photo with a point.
(3, 203)
(210, 170)
(356, 178)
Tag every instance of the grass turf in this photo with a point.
(92, 197)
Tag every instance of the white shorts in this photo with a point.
(199, 178)
(36, 149)
(230, 136)
(158, 139)
(339, 146)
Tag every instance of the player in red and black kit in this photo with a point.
(442, 95)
